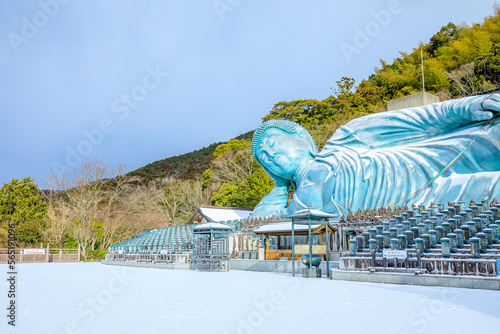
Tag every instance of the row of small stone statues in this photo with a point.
(389, 212)
(423, 229)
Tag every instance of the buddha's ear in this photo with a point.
(303, 133)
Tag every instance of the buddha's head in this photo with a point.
(281, 147)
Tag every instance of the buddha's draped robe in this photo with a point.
(378, 160)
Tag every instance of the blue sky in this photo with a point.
(138, 81)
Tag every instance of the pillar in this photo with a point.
(494, 228)
(352, 247)
(445, 244)
(460, 237)
(359, 243)
(428, 225)
(479, 224)
(401, 241)
(380, 243)
(419, 245)
(366, 238)
(373, 245)
(485, 220)
(427, 242)
(470, 214)
(400, 228)
(416, 232)
(475, 210)
(454, 223)
(489, 237)
(394, 232)
(494, 211)
(406, 225)
(409, 238)
(446, 228)
(434, 241)
(475, 248)
(473, 228)
(394, 244)
(453, 242)
(482, 241)
(387, 239)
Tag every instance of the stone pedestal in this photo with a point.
(316, 273)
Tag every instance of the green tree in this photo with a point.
(304, 112)
(22, 206)
(240, 180)
(444, 36)
(244, 194)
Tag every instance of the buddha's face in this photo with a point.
(283, 153)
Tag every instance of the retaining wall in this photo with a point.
(452, 281)
(234, 264)
(475, 267)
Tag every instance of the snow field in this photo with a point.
(70, 298)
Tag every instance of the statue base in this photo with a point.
(316, 273)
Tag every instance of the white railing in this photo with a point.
(20, 255)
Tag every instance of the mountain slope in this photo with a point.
(185, 166)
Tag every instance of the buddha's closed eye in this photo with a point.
(272, 140)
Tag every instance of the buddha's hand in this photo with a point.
(482, 109)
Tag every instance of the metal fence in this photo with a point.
(23, 255)
(150, 256)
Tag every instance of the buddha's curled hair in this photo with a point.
(288, 127)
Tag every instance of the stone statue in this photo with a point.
(378, 160)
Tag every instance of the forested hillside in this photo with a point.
(99, 205)
(185, 166)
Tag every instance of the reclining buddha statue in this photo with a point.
(381, 159)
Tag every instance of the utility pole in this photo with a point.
(422, 61)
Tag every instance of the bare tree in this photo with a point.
(59, 223)
(233, 166)
(175, 200)
(97, 197)
(466, 82)
(100, 205)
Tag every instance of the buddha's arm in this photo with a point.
(311, 190)
(414, 124)
(276, 200)
(301, 201)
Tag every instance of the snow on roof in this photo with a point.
(207, 226)
(224, 214)
(310, 213)
(283, 227)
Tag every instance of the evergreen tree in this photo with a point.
(23, 208)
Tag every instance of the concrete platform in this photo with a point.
(452, 281)
(172, 266)
(276, 266)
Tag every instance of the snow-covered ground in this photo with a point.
(94, 298)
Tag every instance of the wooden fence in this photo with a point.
(22, 255)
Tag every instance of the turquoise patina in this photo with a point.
(378, 160)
